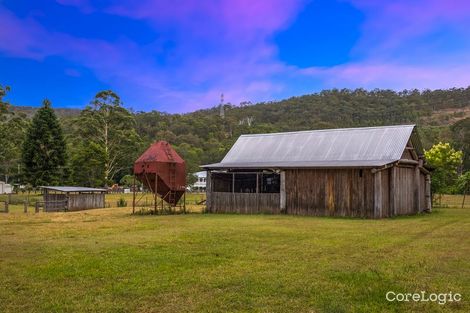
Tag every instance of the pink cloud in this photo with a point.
(393, 76)
(391, 25)
(226, 46)
(238, 60)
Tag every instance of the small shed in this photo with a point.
(370, 172)
(66, 198)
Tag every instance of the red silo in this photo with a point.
(162, 171)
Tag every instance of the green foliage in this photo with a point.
(461, 139)
(106, 141)
(12, 136)
(127, 180)
(121, 203)
(44, 149)
(463, 183)
(87, 165)
(203, 137)
(3, 105)
(445, 161)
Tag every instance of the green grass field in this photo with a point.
(107, 260)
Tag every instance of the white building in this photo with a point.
(5, 188)
(200, 184)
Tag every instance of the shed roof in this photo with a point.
(73, 189)
(334, 148)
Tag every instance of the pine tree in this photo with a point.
(44, 150)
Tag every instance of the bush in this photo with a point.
(121, 203)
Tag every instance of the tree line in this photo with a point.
(101, 142)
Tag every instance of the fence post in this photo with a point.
(25, 204)
(6, 207)
(37, 208)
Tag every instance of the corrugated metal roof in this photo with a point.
(344, 147)
(73, 189)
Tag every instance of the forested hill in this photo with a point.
(203, 136)
(30, 111)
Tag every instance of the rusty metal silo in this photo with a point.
(163, 171)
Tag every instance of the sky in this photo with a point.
(180, 55)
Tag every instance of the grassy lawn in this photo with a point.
(107, 260)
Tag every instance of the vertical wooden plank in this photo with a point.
(378, 194)
(282, 194)
(330, 193)
(417, 190)
(393, 191)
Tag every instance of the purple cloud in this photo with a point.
(226, 46)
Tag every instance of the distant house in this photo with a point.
(370, 172)
(5, 188)
(200, 184)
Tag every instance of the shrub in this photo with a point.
(121, 203)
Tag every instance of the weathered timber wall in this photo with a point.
(334, 192)
(245, 203)
(330, 192)
(405, 191)
(73, 202)
(55, 202)
(86, 201)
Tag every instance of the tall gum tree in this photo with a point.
(111, 129)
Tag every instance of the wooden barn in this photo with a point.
(371, 172)
(64, 198)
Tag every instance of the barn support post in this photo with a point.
(393, 190)
(133, 194)
(282, 196)
(208, 191)
(428, 193)
(378, 195)
(417, 191)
